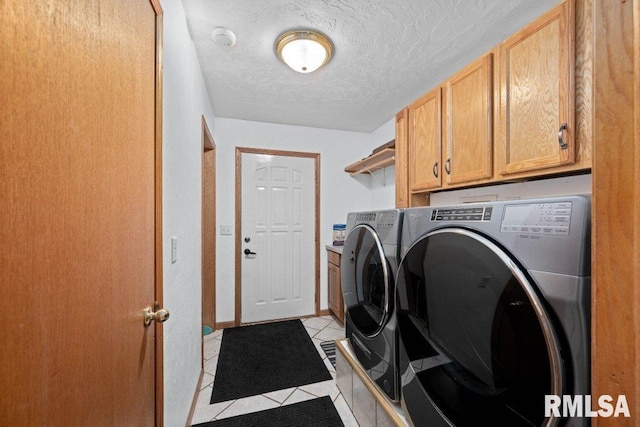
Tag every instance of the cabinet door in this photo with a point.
(401, 163)
(425, 138)
(468, 123)
(537, 94)
(335, 292)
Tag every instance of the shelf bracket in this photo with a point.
(384, 173)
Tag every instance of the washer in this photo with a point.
(493, 311)
(368, 267)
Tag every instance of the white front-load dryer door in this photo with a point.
(477, 344)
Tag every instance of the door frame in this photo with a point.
(208, 150)
(238, 225)
(615, 242)
(159, 273)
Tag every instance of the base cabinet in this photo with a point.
(336, 304)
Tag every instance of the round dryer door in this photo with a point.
(365, 280)
(476, 343)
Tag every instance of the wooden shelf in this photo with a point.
(379, 160)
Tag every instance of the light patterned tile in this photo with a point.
(344, 378)
(207, 380)
(324, 328)
(247, 405)
(330, 334)
(212, 348)
(211, 365)
(345, 413)
(204, 411)
(312, 331)
(298, 396)
(325, 388)
(281, 395)
(335, 325)
(382, 419)
(317, 343)
(364, 404)
(316, 322)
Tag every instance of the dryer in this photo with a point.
(369, 263)
(493, 311)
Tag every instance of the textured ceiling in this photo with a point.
(387, 53)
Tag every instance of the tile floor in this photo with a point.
(320, 329)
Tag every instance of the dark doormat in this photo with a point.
(263, 358)
(316, 412)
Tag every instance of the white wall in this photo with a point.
(185, 101)
(339, 192)
(383, 182)
(550, 187)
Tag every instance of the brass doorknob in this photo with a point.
(160, 315)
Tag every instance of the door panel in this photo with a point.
(278, 226)
(537, 93)
(425, 139)
(468, 119)
(78, 148)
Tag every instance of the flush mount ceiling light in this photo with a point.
(304, 50)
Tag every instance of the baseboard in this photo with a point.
(195, 399)
(325, 312)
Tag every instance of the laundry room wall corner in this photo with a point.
(185, 102)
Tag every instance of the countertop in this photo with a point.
(336, 249)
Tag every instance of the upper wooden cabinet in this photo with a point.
(468, 123)
(536, 120)
(523, 110)
(450, 131)
(425, 142)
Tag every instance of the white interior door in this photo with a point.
(278, 237)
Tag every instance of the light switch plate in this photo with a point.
(225, 230)
(174, 249)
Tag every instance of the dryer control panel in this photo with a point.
(462, 214)
(538, 218)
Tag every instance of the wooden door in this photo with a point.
(425, 139)
(468, 123)
(278, 232)
(79, 211)
(537, 94)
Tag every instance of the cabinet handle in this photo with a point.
(447, 166)
(563, 145)
(435, 169)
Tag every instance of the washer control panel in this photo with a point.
(462, 214)
(538, 218)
